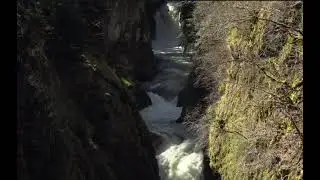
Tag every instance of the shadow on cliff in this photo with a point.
(76, 119)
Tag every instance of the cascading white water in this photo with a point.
(179, 156)
(181, 161)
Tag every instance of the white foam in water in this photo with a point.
(179, 157)
(177, 161)
(181, 162)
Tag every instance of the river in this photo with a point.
(179, 157)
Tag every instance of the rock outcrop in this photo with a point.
(128, 38)
(197, 100)
(76, 119)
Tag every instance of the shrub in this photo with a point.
(250, 55)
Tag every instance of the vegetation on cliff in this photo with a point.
(250, 56)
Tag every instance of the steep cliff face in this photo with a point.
(127, 38)
(198, 91)
(76, 118)
(249, 56)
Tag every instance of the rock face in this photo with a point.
(141, 98)
(157, 140)
(191, 95)
(187, 102)
(187, 25)
(127, 38)
(152, 7)
(208, 172)
(76, 120)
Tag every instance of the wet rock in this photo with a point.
(141, 98)
(156, 139)
(128, 40)
(207, 172)
(191, 96)
(75, 118)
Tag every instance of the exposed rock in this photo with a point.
(190, 96)
(156, 139)
(189, 33)
(75, 118)
(141, 98)
(207, 172)
(152, 7)
(128, 39)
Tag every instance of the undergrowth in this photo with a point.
(250, 55)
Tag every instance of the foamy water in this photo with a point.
(181, 161)
(179, 157)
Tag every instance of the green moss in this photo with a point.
(296, 80)
(126, 82)
(249, 124)
(234, 39)
(294, 97)
(221, 88)
(286, 50)
(289, 128)
(256, 36)
(241, 109)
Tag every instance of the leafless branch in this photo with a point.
(281, 24)
(294, 124)
(235, 132)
